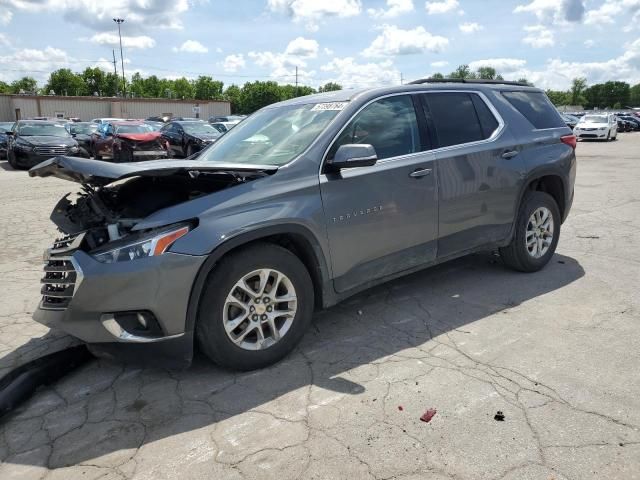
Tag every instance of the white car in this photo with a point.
(106, 120)
(597, 126)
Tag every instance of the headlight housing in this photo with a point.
(150, 244)
(74, 149)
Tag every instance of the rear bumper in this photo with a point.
(158, 286)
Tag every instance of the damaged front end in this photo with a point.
(112, 283)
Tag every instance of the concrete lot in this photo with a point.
(556, 351)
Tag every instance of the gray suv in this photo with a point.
(303, 204)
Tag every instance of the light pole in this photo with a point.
(124, 82)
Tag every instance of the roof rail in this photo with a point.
(467, 80)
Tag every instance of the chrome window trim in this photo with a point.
(494, 136)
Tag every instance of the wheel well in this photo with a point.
(301, 248)
(551, 184)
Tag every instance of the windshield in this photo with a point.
(83, 129)
(133, 129)
(274, 136)
(594, 119)
(47, 129)
(200, 128)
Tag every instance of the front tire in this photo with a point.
(11, 159)
(537, 233)
(255, 307)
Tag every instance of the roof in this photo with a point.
(347, 95)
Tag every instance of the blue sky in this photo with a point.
(354, 42)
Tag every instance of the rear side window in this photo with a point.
(389, 124)
(459, 117)
(536, 107)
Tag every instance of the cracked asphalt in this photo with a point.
(555, 351)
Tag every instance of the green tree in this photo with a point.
(593, 96)
(93, 80)
(111, 85)
(206, 88)
(559, 98)
(291, 91)
(525, 81)
(330, 87)
(232, 94)
(487, 73)
(5, 87)
(578, 87)
(616, 92)
(437, 76)
(65, 82)
(183, 88)
(634, 95)
(137, 86)
(255, 95)
(24, 85)
(462, 72)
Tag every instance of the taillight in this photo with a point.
(569, 140)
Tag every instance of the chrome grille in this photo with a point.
(60, 273)
(51, 150)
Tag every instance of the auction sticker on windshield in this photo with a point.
(335, 106)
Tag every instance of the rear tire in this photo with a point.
(530, 249)
(275, 336)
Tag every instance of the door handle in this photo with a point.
(420, 172)
(509, 154)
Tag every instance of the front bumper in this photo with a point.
(592, 134)
(158, 286)
(29, 159)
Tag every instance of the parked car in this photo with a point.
(303, 204)
(32, 141)
(106, 120)
(155, 126)
(227, 118)
(128, 142)
(570, 120)
(633, 121)
(159, 119)
(82, 132)
(187, 138)
(597, 126)
(186, 119)
(4, 139)
(224, 127)
(623, 125)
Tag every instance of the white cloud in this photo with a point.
(349, 73)
(606, 13)
(327, 51)
(470, 27)
(440, 64)
(538, 36)
(589, 43)
(395, 41)
(33, 62)
(138, 14)
(395, 8)
(5, 17)
(232, 63)
(555, 11)
(313, 11)
(191, 46)
(112, 39)
(502, 65)
(302, 47)
(4, 41)
(434, 8)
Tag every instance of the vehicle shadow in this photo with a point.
(102, 410)
(4, 165)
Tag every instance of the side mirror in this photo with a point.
(354, 155)
(9, 133)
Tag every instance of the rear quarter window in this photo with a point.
(535, 107)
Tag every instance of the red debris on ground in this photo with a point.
(428, 415)
(400, 408)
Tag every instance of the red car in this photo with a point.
(128, 142)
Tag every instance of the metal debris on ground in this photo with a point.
(499, 416)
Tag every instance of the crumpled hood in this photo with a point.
(99, 173)
(37, 140)
(139, 137)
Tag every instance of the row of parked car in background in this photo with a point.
(26, 143)
(601, 125)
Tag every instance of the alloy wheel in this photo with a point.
(539, 235)
(259, 309)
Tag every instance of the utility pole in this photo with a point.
(119, 21)
(115, 69)
(296, 80)
(401, 79)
